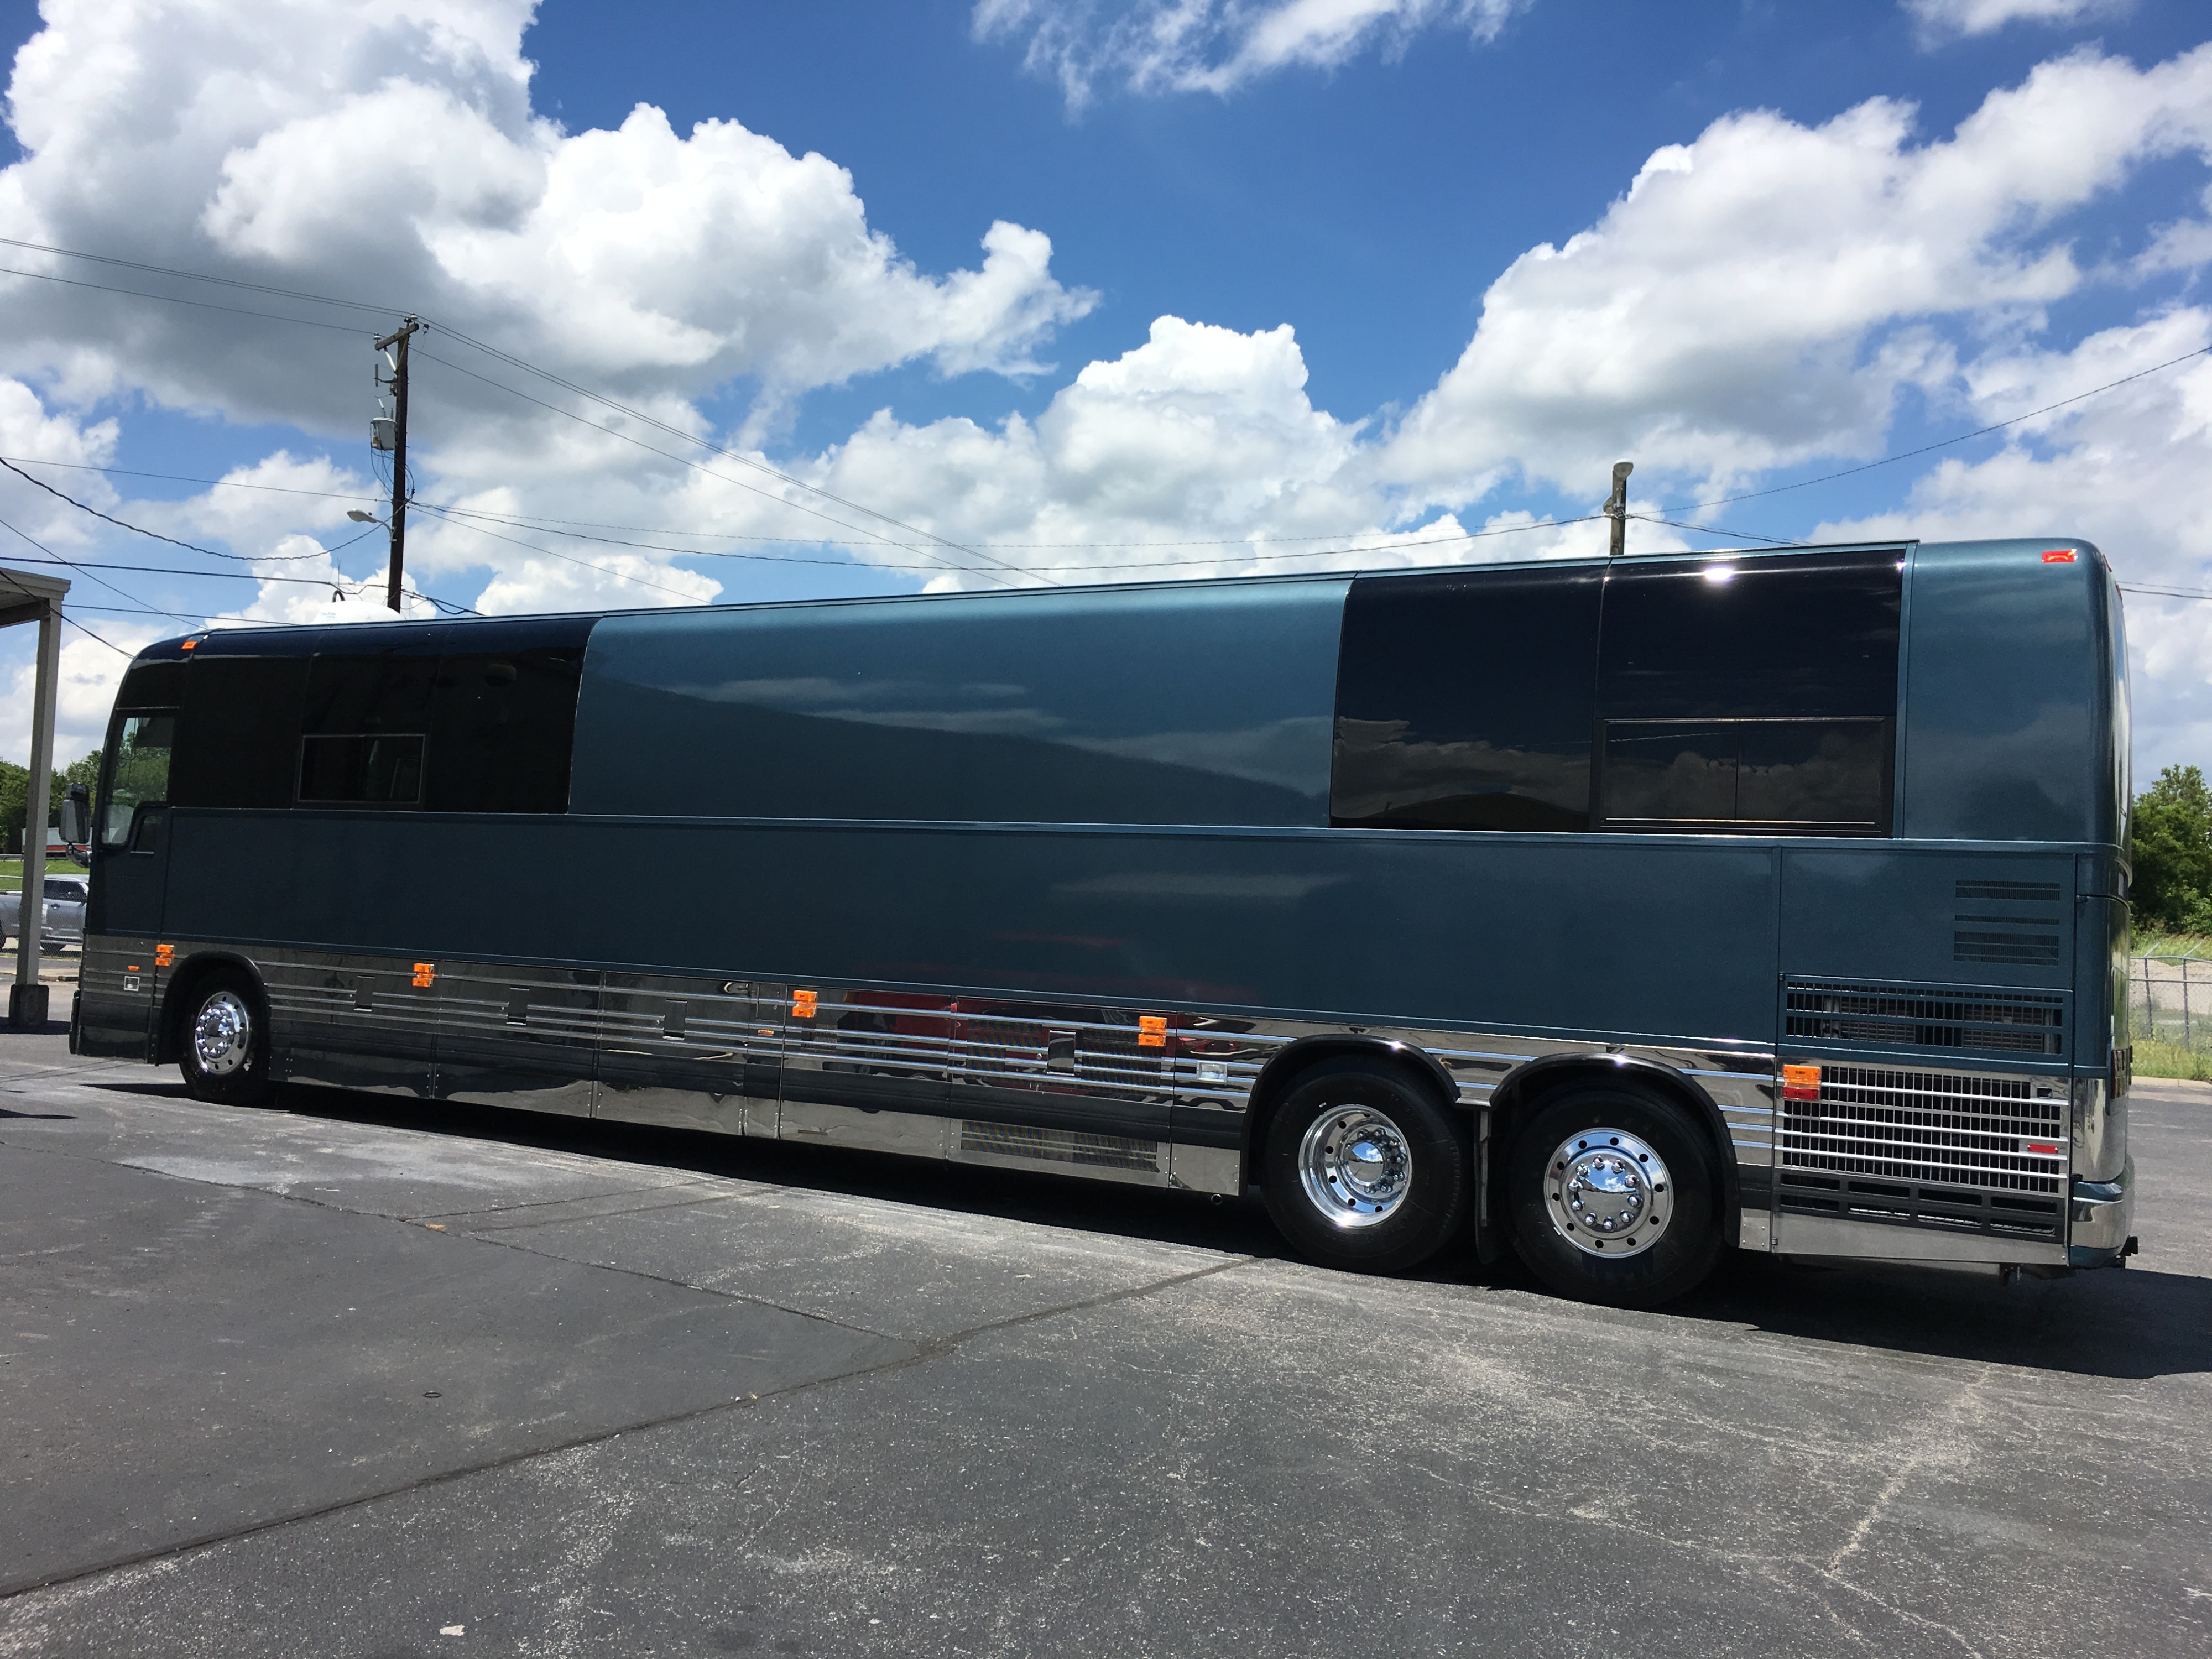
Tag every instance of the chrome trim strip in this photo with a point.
(734, 1056)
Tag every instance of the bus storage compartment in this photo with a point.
(351, 1022)
(1081, 1089)
(115, 999)
(690, 1052)
(865, 1068)
(519, 1037)
(1902, 1161)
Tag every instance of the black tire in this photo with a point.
(237, 1072)
(1686, 1246)
(1414, 1216)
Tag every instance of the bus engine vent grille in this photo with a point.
(1928, 1149)
(1078, 1146)
(1990, 1022)
(2013, 935)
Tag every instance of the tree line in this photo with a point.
(2172, 854)
(15, 789)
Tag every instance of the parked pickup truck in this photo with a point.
(63, 911)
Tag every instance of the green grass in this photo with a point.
(2173, 944)
(2155, 1059)
(11, 873)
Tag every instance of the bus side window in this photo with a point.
(1754, 694)
(237, 737)
(1464, 701)
(503, 730)
(364, 722)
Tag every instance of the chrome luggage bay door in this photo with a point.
(690, 1054)
(517, 1037)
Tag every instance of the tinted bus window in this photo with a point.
(238, 737)
(1812, 776)
(383, 692)
(361, 769)
(1464, 701)
(503, 730)
(1750, 694)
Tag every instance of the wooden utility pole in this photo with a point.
(396, 344)
(1616, 505)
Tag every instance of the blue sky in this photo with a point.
(1276, 278)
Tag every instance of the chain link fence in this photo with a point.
(2170, 1001)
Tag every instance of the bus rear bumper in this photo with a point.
(2100, 1215)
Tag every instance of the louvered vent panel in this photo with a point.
(1991, 1021)
(2008, 921)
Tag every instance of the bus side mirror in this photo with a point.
(75, 816)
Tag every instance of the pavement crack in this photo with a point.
(1933, 1444)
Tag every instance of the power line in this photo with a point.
(190, 547)
(193, 276)
(62, 612)
(741, 459)
(572, 527)
(612, 432)
(533, 521)
(1944, 443)
(179, 299)
(57, 559)
(494, 351)
(351, 589)
(2165, 592)
(1715, 530)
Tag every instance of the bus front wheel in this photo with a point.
(225, 1045)
(1365, 1169)
(1614, 1195)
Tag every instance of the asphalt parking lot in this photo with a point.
(361, 1376)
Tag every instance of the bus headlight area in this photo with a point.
(1546, 908)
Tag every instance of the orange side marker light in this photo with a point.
(164, 955)
(1151, 1031)
(426, 973)
(802, 1004)
(1800, 1082)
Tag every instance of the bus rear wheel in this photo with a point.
(1366, 1170)
(225, 1047)
(1614, 1195)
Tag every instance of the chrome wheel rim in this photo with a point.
(1355, 1166)
(1609, 1192)
(223, 1031)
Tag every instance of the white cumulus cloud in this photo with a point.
(1759, 296)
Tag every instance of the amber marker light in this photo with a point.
(1800, 1082)
(164, 955)
(802, 1004)
(1151, 1031)
(426, 973)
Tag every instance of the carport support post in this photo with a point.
(22, 597)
